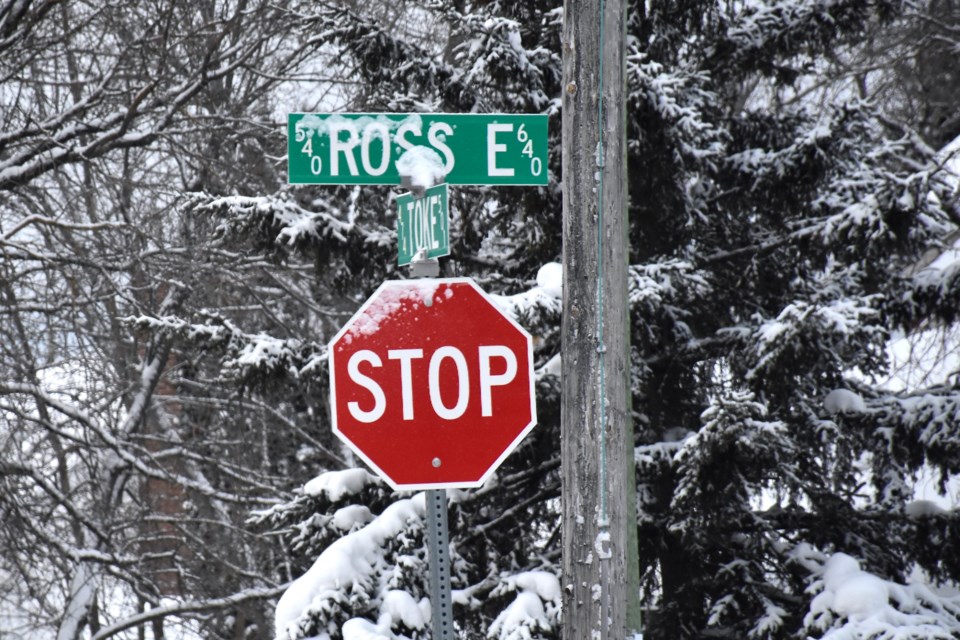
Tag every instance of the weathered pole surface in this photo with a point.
(597, 461)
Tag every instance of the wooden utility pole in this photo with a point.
(599, 513)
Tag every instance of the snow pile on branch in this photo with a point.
(244, 354)
(398, 607)
(929, 418)
(936, 287)
(682, 98)
(352, 573)
(290, 222)
(267, 353)
(335, 485)
(844, 401)
(658, 291)
(550, 279)
(736, 429)
(493, 49)
(536, 609)
(834, 324)
(852, 603)
(656, 283)
(920, 509)
(546, 297)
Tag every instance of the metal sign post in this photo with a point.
(438, 549)
(438, 535)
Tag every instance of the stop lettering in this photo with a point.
(431, 384)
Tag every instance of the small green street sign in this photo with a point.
(422, 223)
(374, 148)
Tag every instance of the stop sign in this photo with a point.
(431, 384)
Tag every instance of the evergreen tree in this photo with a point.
(771, 270)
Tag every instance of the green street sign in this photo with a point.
(376, 148)
(422, 223)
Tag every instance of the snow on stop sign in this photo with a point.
(431, 384)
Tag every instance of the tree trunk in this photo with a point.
(598, 470)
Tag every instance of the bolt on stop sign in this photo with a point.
(432, 384)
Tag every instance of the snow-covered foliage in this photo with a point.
(245, 356)
(369, 574)
(773, 256)
(293, 224)
(843, 401)
(535, 609)
(850, 603)
(358, 574)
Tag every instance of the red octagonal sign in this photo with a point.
(431, 384)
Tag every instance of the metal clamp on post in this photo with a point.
(423, 267)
